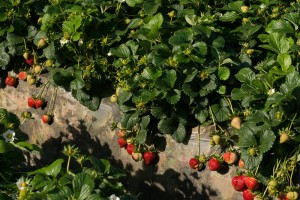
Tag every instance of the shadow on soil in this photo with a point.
(145, 184)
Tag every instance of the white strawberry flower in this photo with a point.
(114, 197)
(9, 135)
(20, 183)
(63, 41)
(271, 91)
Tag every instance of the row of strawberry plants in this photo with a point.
(173, 65)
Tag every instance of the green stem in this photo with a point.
(68, 164)
(198, 133)
(213, 118)
(256, 170)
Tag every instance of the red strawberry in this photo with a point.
(10, 81)
(149, 157)
(122, 142)
(130, 148)
(230, 157)
(251, 182)
(238, 183)
(194, 163)
(137, 156)
(247, 195)
(31, 102)
(22, 75)
(46, 118)
(39, 103)
(30, 60)
(214, 164)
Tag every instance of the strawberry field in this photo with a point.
(170, 66)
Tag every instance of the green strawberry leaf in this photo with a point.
(183, 36)
(173, 96)
(49, 51)
(180, 133)
(245, 75)
(251, 162)
(220, 113)
(167, 125)
(279, 26)
(52, 170)
(141, 136)
(83, 185)
(229, 16)
(151, 73)
(160, 112)
(285, 61)
(246, 137)
(224, 73)
(266, 140)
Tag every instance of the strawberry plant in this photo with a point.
(170, 66)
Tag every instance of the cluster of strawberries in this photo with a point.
(136, 151)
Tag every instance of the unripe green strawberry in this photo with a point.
(284, 137)
(127, 21)
(26, 55)
(40, 20)
(202, 158)
(113, 98)
(66, 35)
(272, 184)
(37, 69)
(41, 43)
(252, 151)
(31, 81)
(292, 195)
(172, 14)
(249, 51)
(236, 122)
(244, 9)
(216, 139)
(48, 63)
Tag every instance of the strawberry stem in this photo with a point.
(42, 89)
(292, 122)
(229, 104)
(52, 100)
(213, 118)
(198, 133)
(256, 170)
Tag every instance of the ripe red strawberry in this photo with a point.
(214, 164)
(137, 156)
(238, 183)
(39, 103)
(194, 163)
(31, 102)
(149, 157)
(46, 118)
(230, 157)
(251, 182)
(122, 143)
(130, 148)
(247, 195)
(22, 75)
(10, 81)
(30, 60)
